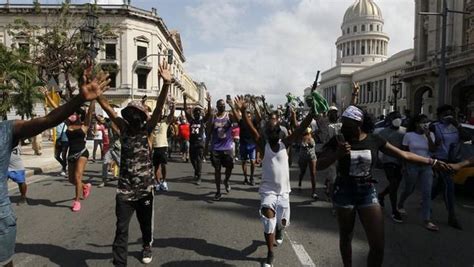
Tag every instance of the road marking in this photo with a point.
(303, 256)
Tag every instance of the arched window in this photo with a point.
(363, 50)
(371, 27)
(363, 28)
(355, 28)
(348, 30)
(378, 27)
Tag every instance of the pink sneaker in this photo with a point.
(86, 190)
(76, 206)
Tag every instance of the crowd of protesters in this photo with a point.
(136, 146)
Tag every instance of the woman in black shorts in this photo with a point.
(76, 133)
(355, 151)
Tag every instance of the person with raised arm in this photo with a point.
(355, 150)
(135, 185)
(198, 135)
(275, 185)
(11, 132)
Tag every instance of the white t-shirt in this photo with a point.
(418, 143)
(275, 171)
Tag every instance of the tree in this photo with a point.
(18, 83)
(56, 49)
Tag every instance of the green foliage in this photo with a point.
(18, 83)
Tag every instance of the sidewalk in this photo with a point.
(46, 163)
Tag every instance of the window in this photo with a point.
(113, 79)
(363, 50)
(110, 51)
(348, 51)
(24, 47)
(348, 30)
(141, 52)
(363, 28)
(378, 27)
(371, 27)
(142, 77)
(353, 50)
(355, 28)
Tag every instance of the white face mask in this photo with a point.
(397, 123)
(425, 126)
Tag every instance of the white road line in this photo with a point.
(303, 256)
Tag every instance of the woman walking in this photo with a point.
(76, 133)
(307, 158)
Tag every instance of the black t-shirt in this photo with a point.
(245, 135)
(361, 162)
(197, 131)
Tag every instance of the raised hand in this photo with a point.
(355, 88)
(92, 89)
(165, 73)
(240, 103)
(208, 97)
(43, 90)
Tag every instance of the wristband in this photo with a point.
(434, 163)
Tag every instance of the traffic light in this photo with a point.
(170, 56)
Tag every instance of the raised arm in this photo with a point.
(298, 133)
(242, 106)
(236, 113)
(265, 107)
(170, 118)
(90, 90)
(258, 115)
(355, 93)
(49, 100)
(165, 74)
(88, 120)
(185, 106)
(208, 115)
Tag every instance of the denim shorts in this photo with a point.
(350, 195)
(7, 234)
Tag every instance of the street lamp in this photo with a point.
(89, 36)
(396, 86)
(442, 65)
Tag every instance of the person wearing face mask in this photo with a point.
(76, 133)
(419, 140)
(222, 145)
(135, 184)
(275, 185)
(197, 137)
(392, 166)
(354, 191)
(447, 135)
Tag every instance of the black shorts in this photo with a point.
(222, 159)
(73, 156)
(160, 156)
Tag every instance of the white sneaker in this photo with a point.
(63, 174)
(164, 186)
(402, 211)
(147, 255)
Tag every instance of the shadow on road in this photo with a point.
(43, 202)
(206, 263)
(202, 247)
(60, 255)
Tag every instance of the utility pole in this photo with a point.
(442, 66)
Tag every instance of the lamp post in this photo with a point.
(442, 66)
(135, 63)
(89, 36)
(396, 86)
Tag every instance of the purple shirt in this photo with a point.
(222, 133)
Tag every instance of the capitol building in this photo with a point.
(408, 80)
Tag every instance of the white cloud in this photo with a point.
(285, 50)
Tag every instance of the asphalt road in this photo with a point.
(193, 230)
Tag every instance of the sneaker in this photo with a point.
(279, 236)
(246, 182)
(431, 226)
(86, 190)
(217, 197)
(22, 201)
(63, 173)
(157, 187)
(269, 261)
(76, 206)
(147, 256)
(198, 181)
(402, 211)
(453, 222)
(252, 182)
(381, 201)
(227, 186)
(315, 196)
(397, 217)
(101, 185)
(164, 186)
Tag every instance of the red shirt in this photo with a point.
(184, 131)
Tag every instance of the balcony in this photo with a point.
(143, 66)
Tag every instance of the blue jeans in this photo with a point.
(425, 174)
(445, 185)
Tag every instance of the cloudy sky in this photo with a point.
(267, 47)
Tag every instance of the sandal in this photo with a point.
(431, 227)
